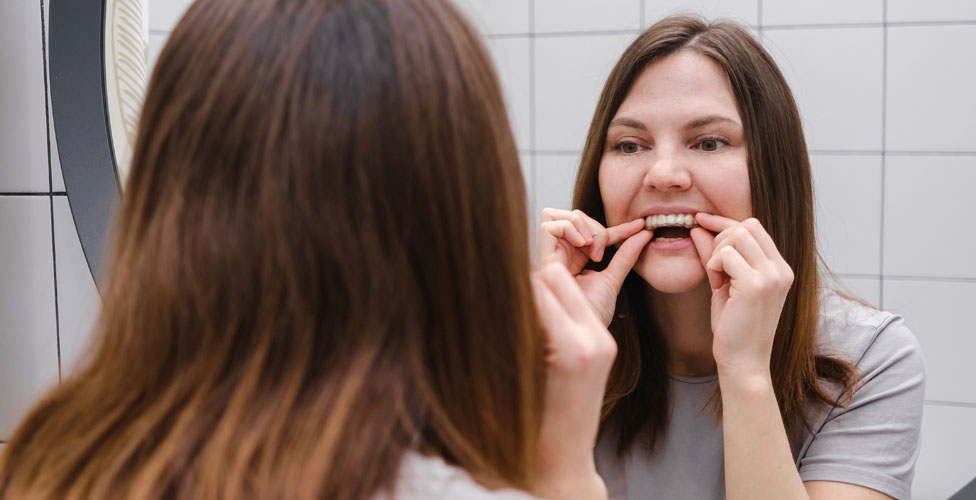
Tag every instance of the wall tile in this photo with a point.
(156, 42)
(555, 177)
(28, 334)
(792, 12)
(23, 137)
(494, 17)
(743, 11)
(586, 15)
(836, 78)
(946, 462)
(848, 196)
(164, 14)
(569, 74)
(866, 289)
(924, 198)
(512, 62)
(78, 299)
(930, 89)
(931, 10)
(937, 312)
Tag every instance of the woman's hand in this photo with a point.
(749, 281)
(573, 238)
(579, 354)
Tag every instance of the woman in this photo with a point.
(320, 283)
(739, 375)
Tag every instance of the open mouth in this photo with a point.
(671, 227)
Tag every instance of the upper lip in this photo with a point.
(669, 210)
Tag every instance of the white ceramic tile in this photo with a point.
(743, 11)
(569, 74)
(512, 62)
(792, 12)
(925, 197)
(156, 42)
(494, 17)
(164, 14)
(937, 312)
(57, 180)
(900, 11)
(866, 289)
(586, 15)
(931, 79)
(78, 299)
(836, 78)
(847, 191)
(555, 176)
(28, 334)
(23, 137)
(946, 461)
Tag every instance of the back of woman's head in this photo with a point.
(320, 261)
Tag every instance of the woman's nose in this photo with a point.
(667, 172)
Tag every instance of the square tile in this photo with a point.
(570, 72)
(497, 17)
(23, 120)
(57, 179)
(847, 193)
(937, 313)
(28, 333)
(924, 198)
(78, 299)
(553, 16)
(511, 57)
(164, 14)
(836, 78)
(900, 11)
(742, 11)
(946, 461)
(156, 43)
(930, 88)
(555, 176)
(866, 289)
(791, 12)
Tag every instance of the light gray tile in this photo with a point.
(946, 462)
(931, 10)
(511, 57)
(555, 176)
(866, 289)
(156, 42)
(164, 14)
(791, 12)
(57, 179)
(586, 15)
(78, 299)
(937, 312)
(925, 196)
(569, 74)
(742, 11)
(495, 17)
(848, 199)
(931, 79)
(836, 78)
(23, 119)
(28, 335)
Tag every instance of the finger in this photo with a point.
(744, 243)
(729, 261)
(705, 244)
(549, 214)
(763, 238)
(568, 292)
(625, 258)
(623, 231)
(552, 315)
(563, 229)
(714, 223)
(573, 216)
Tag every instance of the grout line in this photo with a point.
(532, 117)
(929, 279)
(909, 24)
(53, 193)
(556, 34)
(50, 187)
(955, 404)
(506, 36)
(857, 276)
(884, 145)
(759, 19)
(159, 32)
(930, 153)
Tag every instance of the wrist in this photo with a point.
(566, 486)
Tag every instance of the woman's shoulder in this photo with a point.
(423, 478)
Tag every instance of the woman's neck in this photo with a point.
(685, 321)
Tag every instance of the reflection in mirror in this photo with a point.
(126, 42)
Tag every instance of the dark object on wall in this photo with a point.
(967, 492)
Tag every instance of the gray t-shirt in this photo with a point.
(873, 442)
(430, 478)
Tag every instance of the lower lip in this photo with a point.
(671, 245)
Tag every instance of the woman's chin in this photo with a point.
(671, 275)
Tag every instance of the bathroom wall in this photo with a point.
(884, 87)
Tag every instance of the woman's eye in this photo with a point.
(711, 144)
(629, 147)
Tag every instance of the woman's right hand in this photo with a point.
(573, 238)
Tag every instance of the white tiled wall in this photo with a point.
(884, 86)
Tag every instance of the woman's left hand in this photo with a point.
(749, 280)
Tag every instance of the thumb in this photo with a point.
(705, 244)
(625, 258)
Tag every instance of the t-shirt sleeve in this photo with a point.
(874, 442)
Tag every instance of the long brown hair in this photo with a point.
(321, 261)
(637, 400)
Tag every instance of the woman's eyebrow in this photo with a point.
(627, 122)
(710, 119)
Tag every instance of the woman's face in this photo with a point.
(675, 146)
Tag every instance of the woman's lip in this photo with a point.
(671, 245)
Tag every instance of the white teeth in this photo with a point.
(682, 220)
